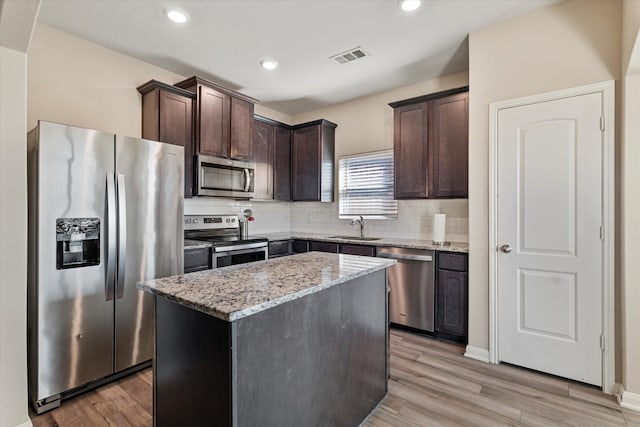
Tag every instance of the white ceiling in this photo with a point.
(225, 40)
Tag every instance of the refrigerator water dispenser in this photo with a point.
(77, 242)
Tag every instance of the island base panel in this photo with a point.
(319, 360)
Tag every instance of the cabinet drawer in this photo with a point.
(299, 246)
(278, 248)
(197, 259)
(358, 250)
(452, 261)
(323, 247)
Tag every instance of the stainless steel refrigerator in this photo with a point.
(105, 212)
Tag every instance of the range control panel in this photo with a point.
(207, 222)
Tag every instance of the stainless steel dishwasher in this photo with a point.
(411, 300)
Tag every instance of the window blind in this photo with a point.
(366, 185)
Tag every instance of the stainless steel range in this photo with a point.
(223, 231)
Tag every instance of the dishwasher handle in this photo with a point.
(406, 257)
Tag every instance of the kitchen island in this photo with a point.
(299, 340)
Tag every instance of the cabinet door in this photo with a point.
(323, 247)
(282, 165)
(241, 129)
(213, 122)
(448, 151)
(410, 150)
(305, 164)
(358, 250)
(299, 246)
(175, 119)
(170, 120)
(263, 155)
(451, 310)
(279, 248)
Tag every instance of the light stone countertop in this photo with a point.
(231, 293)
(382, 242)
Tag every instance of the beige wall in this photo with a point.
(79, 83)
(630, 206)
(565, 45)
(16, 24)
(366, 124)
(13, 245)
(76, 82)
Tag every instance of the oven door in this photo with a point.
(239, 254)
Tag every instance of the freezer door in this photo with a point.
(70, 311)
(150, 201)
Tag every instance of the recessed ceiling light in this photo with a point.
(409, 5)
(268, 64)
(178, 16)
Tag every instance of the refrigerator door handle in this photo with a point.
(111, 236)
(122, 236)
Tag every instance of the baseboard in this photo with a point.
(630, 401)
(477, 353)
(25, 424)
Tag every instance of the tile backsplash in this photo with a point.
(270, 217)
(415, 217)
(415, 220)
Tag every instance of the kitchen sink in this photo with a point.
(366, 239)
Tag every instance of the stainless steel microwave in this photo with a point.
(224, 177)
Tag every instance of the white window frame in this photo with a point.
(392, 213)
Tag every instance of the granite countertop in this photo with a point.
(196, 244)
(231, 293)
(382, 242)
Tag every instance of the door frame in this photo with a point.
(607, 89)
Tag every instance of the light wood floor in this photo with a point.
(431, 384)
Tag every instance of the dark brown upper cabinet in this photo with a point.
(223, 120)
(272, 154)
(312, 161)
(264, 142)
(431, 145)
(282, 164)
(167, 117)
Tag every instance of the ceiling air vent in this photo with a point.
(350, 55)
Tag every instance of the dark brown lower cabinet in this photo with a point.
(358, 250)
(279, 248)
(197, 259)
(299, 246)
(452, 294)
(323, 247)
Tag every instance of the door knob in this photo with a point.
(505, 248)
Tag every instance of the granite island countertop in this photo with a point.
(238, 291)
(382, 242)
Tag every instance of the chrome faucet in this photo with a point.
(361, 222)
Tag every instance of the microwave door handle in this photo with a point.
(247, 180)
(111, 237)
(122, 235)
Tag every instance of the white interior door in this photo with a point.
(550, 248)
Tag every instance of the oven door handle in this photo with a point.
(235, 248)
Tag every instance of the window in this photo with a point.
(366, 185)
